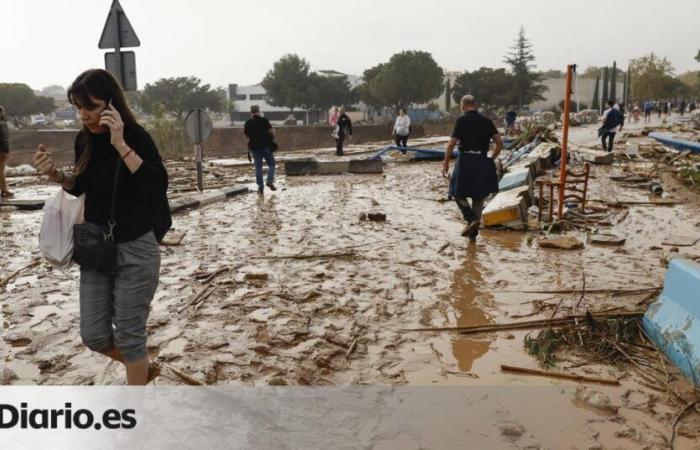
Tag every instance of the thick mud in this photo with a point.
(292, 288)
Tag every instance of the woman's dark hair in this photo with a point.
(99, 84)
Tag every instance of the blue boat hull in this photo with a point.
(678, 144)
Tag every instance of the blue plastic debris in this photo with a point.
(673, 321)
(678, 144)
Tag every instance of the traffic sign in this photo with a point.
(118, 31)
(128, 67)
(198, 125)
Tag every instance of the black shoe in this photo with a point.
(471, 228)
(260, 191)
(271, 185)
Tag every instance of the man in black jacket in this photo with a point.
(342, 129)
(261, 137)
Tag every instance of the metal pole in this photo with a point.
(565, 140)
(198, 149)
(117, 50)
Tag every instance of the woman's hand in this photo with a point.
(111, 118)
(43, 161)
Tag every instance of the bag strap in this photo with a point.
(113, 206)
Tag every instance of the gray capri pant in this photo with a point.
(114, 306)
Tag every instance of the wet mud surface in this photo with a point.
(292, 288)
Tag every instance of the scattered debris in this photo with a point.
(563, 243)
(567, 376)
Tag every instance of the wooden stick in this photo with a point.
(567, 376)
(590, 291)
(526, 324)
(308, 256)
(680, 415)
(186, 378)
(17, 272)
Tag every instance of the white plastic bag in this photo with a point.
(56, 235)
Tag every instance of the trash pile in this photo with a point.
(544, 118)
(695, 118)
(585, 117)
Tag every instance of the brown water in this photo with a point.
(336, 320)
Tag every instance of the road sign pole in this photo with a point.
(117, 49)
(198, 157)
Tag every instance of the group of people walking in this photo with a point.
(661, 107)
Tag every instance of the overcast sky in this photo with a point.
(48, 42)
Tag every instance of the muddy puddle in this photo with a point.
(293, 288)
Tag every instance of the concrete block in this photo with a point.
(208, 198)
(673, 321)
(235, 190)
(306, 166)
(182, 204)
(332, 167)
(366, 166)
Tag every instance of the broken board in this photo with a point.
(508, 209)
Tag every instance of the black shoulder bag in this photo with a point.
(93, 249)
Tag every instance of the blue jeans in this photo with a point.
(258, 156)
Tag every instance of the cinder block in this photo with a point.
(305, 166)
(236, 190)
(211, 197)
(673, 321)
(366, 166)
(332, 167)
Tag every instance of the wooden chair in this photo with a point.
(576, 188)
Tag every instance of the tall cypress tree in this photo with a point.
(595, 104)
(527, 82)
(605, 86)
(613, 82)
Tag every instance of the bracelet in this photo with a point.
(127, 154)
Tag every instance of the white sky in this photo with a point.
(48, 42)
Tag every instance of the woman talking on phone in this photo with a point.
(118, 168)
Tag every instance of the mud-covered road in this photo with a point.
(291, 288)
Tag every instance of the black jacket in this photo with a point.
(344, 125)
(142, 201)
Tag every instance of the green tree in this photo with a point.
(362, 91)
(697, 57)
(287, 83)
(595, 104)
(692, 82)
(181, 94)
(652, 78)
(593, 72)
(408, 77)
(552, 73)
(20, 101)
(521, 61)
(490, 87)
(323, 92)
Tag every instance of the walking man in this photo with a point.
(474, 176)
(261, 142)
(612, 119)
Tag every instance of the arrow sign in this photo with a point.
(117, 20)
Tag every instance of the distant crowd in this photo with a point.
(661, 107)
